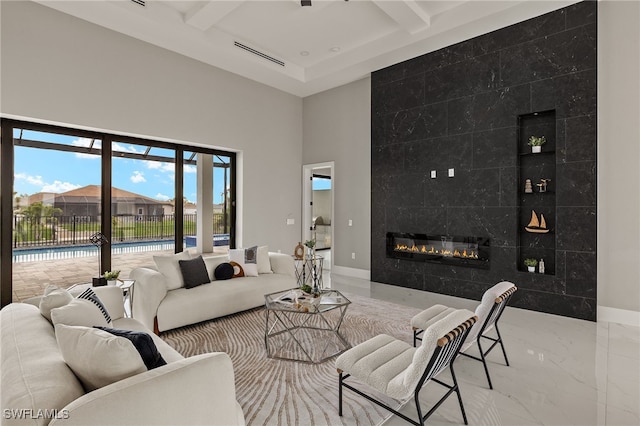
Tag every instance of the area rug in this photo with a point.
(278, 392)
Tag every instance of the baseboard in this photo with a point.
(620, 316)
(363, 274)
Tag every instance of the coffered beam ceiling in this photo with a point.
(304, 50)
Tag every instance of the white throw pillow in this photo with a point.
(53, 297)
(169, 267)
(247, 259)
(264, 264)
(98, 358)
(79, 312)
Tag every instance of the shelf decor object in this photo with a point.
(98, 239)
(536, 143)
(537, 226)
(531, 264)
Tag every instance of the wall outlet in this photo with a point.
(291, 221)
(353, 256)
(452, 172)
(433, 174)
(350, 222)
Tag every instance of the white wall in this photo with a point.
(619, 160)
(337, 127)
(60, 69)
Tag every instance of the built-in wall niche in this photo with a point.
(536, 191)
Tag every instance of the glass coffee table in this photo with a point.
(302, 328)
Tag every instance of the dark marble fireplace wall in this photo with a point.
(458, 108)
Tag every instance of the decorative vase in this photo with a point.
(112, 282)
(536, 149)
(531, 268)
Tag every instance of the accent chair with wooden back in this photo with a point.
(399, 370)
(488, 312)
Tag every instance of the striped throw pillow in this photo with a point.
(92, 297)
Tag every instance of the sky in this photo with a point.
(44, 170)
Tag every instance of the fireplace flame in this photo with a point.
(466, 254)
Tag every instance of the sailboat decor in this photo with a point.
(535, 225)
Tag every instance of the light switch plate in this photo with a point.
(433, 174)
(291, 221)
(452, 172)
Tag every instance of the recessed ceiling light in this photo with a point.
(304, 53)
(335, 49)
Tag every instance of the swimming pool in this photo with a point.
(55, 253)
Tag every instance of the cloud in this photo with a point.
(190, 169)
(125, 148)
(163, 167)
(86, 143)
(97, 144)
(137, 177)
(33, 180)
(58, 187)
(162, 197)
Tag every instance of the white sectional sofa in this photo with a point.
(162, 303)
(39, 388)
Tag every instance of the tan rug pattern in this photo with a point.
(276, 392)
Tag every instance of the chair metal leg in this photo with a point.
(340, 394)
(504, 352)
(457, 389)
(416, 333)
(484, 363)
(416, 397)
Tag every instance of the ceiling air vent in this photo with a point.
(258, 53)
(142, 3)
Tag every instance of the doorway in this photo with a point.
(318, 208)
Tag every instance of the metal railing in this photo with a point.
(54, 231)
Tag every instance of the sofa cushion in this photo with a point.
(53, 297)
(98, 358)
(194, 272)
(33, 374)
(79, 312)
(264, 263)
(247, 258)
(224, 271)
(144, 345)
(168, 266)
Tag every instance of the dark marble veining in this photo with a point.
(458, 108)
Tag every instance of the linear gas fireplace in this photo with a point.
(446, 249)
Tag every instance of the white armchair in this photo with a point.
(488, 312)
(399, 370)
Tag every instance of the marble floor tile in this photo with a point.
(563, 371)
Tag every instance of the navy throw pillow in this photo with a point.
(143, 344)
(223, 271)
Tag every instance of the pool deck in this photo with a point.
(31, 278)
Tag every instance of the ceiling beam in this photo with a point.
(206, 16)
(407, 13)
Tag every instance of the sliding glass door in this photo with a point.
(67, 187)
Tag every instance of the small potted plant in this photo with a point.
(536, 143)
(310, 244)
(111, 277)
(531, 264)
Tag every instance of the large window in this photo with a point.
(67, 186)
